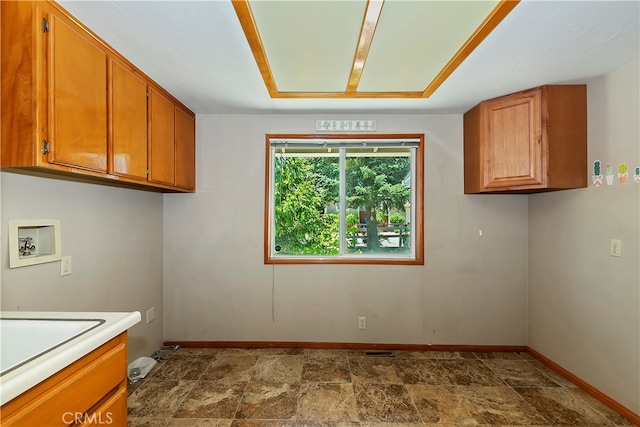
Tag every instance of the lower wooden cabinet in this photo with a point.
(112, 413)
(90, 392)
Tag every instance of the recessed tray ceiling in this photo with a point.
(363, 49)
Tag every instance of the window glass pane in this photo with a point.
(306, 195)
(344, 201)
(378, 194)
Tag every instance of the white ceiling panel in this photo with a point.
(415, 40)
(310, 45)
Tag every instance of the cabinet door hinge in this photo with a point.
(45, 147)
(45, 25)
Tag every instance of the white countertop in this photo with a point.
(19, 380)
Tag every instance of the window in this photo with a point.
(349, 199)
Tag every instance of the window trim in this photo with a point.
(418, 258)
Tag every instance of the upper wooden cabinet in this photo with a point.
(171, 143)
(530, 141)
(185, 149)
(73, 106)
(162, 156)
(77, 97)
(128, 107)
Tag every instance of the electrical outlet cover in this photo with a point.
(615, 248)
(65, 266)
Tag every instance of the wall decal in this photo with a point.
(622, 173)
(609, 174)
(597, 176)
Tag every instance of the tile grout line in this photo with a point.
(192, 385)
(253, 369)
(295, 415)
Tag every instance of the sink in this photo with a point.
(22, 340)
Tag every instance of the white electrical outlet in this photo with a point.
(151, 315)
(615, 248)
(362, 323)
(65, 266)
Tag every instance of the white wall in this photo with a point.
(114, 236)
(471, 290)
(584, 304)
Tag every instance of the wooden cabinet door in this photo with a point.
(185, 149)
(112, 412)
(128, 119)
(77, 79)
(513, 141)
(161, 138)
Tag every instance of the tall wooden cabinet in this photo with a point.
(73, 106)
(530, 141)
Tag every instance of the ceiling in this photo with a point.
(363, 49)
(198, 51)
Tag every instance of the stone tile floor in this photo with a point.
(332, 388)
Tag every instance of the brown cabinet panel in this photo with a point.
(112, 412)
(161, 138)
(185, 149)
(77, 96)
(20, 139)
(514, 149)
(530, 141)
(128, 114)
